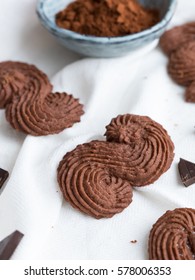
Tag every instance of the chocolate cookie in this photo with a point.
(181, 65)
(172, 237)
(97, 177)
(190, 93)
(15, 76)
(175, 37)
(31, 107)
(38, 115)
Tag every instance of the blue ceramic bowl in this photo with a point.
(103, 46)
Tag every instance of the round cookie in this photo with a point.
(181, 65)
(149, 149)
(96, 177)
(172, 237)
(11, 81)
(15, 76)
(176, 36)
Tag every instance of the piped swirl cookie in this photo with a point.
(172, 39)
(97, 177)
(172, 237)
(181, 65)
(178, 44)
(15, 76)
(30, 105)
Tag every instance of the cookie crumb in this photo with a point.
(133, 241)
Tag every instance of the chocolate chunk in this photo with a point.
(3, 177)
(187, 172)
(9, 244)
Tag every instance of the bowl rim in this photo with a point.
(64, 33)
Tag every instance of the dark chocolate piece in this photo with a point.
(187, 172)
(9, 244)
(3, 176)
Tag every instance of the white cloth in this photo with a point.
(138, 83)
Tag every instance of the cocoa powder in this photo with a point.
(106, 18)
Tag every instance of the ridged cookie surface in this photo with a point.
(176, 36)
(172, 237)
(97, 177)
(31, 107)
(181, 65)
(15, 76)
